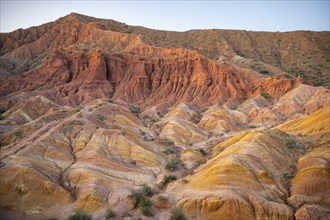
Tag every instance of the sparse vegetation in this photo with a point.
(172, 164)
(168, 179)
(168, 151)
(146, 190)
(264, 71)
(135, 110)
(203, 152)
(266, 95)
(2, 110)
(288, 175)
(101, 117)
(194, 120)
(145, 205)
(141, 199)
(177, 214)
(291, 144)
(142, 132)
(160, 114)
(19, 134)
(80, 215)
(288, 76)
(110, 214)
(204, 110)
(252, 126)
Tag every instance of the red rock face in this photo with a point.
(145, 75)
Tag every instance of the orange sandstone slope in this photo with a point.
(98, 115)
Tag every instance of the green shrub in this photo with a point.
(136, 195)
(204, 109)
(288, 76)
(172, 164)
(160, 114)
(168, 151)
(168, 179)
(2, 110)
(194, 120)
(147, 191)
(142, 132)
(203, 152)
(288, 175)
(145, 206)
(291, 144)
(110, 214)
(177, 214)
(135, 110)
(79, 215)
(266, 95)
(264, 71)
(101, 117)
(19, 134)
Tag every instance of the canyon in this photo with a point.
(125, 122)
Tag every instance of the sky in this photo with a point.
(262, 15)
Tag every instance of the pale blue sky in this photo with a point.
(177, 15)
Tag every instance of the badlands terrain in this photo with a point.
(111, 121)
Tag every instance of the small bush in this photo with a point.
(203, 152)
(266, 95)
(168, 151)
(252, 126)
(288, 175)
(177, 214)
(19, 134)
(291, 144)
(204, 109)
(147, 191)
(135, 110)
(110, 214)
(136, 196)
(52, 219)
(101, 117)
(160, 114)
(264, 71)
(194, 120)
(145, 206)
(288, 76)
(79, 215)
(2, 110)
(168, 179)
(172, 164)
(142, 132)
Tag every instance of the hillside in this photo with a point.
(126, 122)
